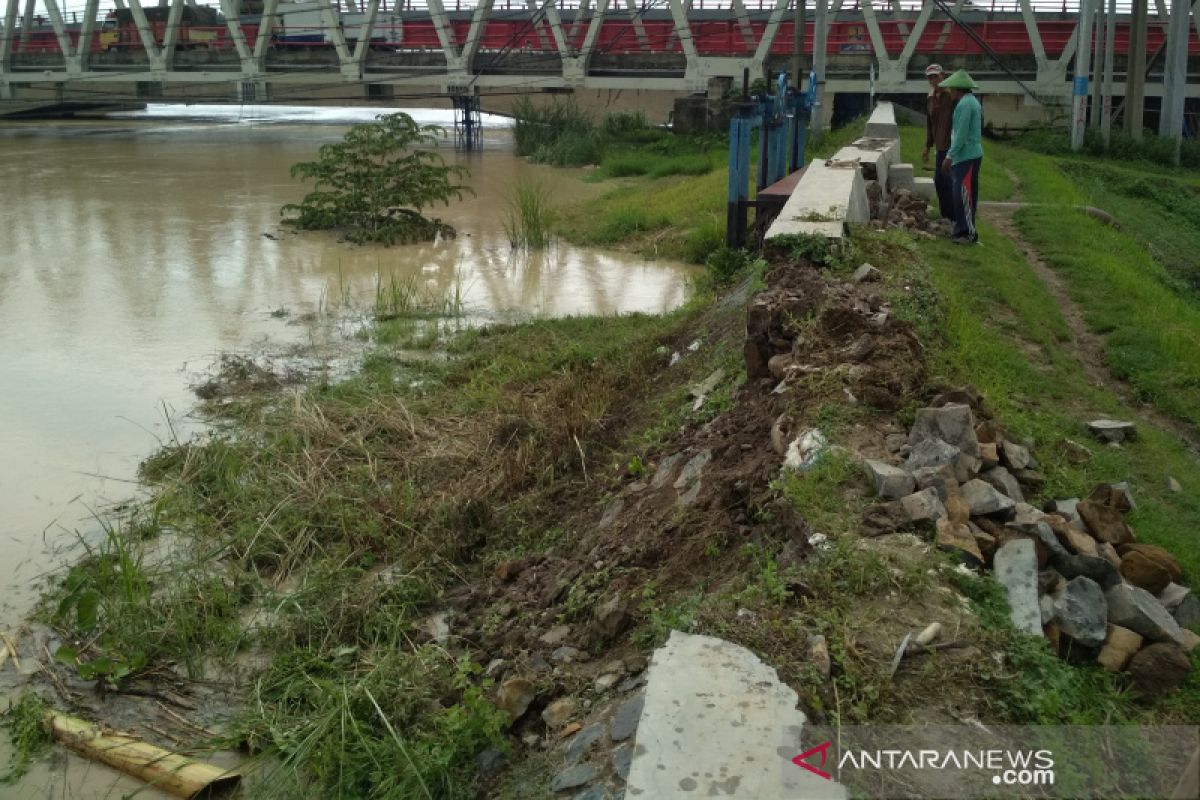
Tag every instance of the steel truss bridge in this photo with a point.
(285, 51)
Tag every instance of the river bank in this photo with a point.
(471, 555)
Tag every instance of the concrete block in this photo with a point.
(900, 176)
(924, 188)
(825, 199)
(882, 123)
(875, 156)
(717, 721)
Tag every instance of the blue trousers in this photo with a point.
(942, 184)
(965, 175)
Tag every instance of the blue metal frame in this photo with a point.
(783, 118)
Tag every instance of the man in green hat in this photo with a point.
(965, 155)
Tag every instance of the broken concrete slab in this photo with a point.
(825, 199)
(983, 498)
(874, 156)
(1015, 566)
(714, 705)
(924, 187)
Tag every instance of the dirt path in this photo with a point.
(1085, 345)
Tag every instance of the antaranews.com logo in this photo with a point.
(974, 762)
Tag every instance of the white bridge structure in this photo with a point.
(614, 53)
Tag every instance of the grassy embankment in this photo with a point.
(318, 534)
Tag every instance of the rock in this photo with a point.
(1115, 495)
(1015, 456)
(1098, 569)
(1172, 595)
(612, 616)
(929, 456)
(1025, 514)
(989, 454)
(1072, 538)
(635, 663)
(597, 792)
(1108, 553)
(805, 450)
(931, 632)
(507, 571)
(957, 537)
(866, 274)
(1046, 606)
(778, 365)
(625, 721)
(1144, 572)
(688, 482)
(1119, 646)
(923, 507)
(1051, 582)
(1015, 566)
(514, 697)
(1191, 640)
(606, 681)
(1068, 509)
(566, 655)
(1111, 430)
(953, 424)
(1030, 479)
(989, 432)
(1159, 555)
(573, 777)
(883, 518)
(570, 730)
(957, 509)
(1081, 612)
(666, 468)
(622, 757)
(983, 499)
(890, 482)
(489, 760)
(1042, 533)
(818, 655)
(1002, 481)
(1173, 485)
(555, 635)
(895, 442)
(1076, 453)
(582, 742)
(1187, 614)
(1159, 668)
(558, 713)
(1105, 523)
(1140, 611)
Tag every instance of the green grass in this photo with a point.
(530, 217)
(24, 720)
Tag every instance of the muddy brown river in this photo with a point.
(135, 250)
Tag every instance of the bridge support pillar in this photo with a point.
(1135, 85)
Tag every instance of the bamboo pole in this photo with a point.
(171, 772)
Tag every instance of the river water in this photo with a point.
(136, 249)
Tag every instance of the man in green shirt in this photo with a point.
(965, 155)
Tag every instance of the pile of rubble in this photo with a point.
(903, 209)
(1074, 573)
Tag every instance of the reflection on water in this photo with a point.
(134, 249)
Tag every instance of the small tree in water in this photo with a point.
(373, 184)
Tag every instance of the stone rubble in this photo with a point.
(1074, 573)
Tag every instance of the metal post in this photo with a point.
(1083, 53)
(1097, 85)
(1135, 81)
(820, 45)
(1175, 74)
(798, 34)
(1110, 43)
(739, 174)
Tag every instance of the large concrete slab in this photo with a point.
(717, 722)
(825, 199)
(882, 123)
(874, 156)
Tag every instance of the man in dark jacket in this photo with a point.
(939, 114)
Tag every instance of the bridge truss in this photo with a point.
(254, 50)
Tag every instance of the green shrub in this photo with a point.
(725, 263)
(703, 240)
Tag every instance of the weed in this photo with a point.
(530, 217)
(26, 725)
